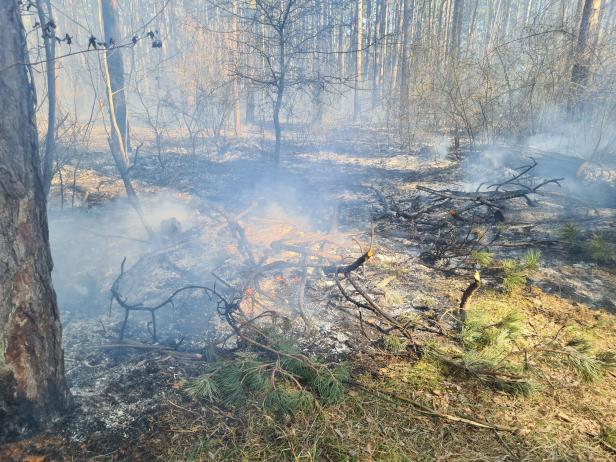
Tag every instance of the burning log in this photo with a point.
(238, 231)
(365, 256)
(303, 250)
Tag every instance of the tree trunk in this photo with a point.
(277, 129)
(250, 105)
(32, 385)
(377, 47)
(117, 141)
(407, 17)
(280, 87)
(237, 111)
(456, 28)
(49, 40)
(111, 28)
(358, 58)
(584, 51)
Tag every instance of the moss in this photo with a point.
(7, 382)
(7, 393)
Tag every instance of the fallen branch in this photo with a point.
(423, 409)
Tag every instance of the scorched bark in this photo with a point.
(31, 353)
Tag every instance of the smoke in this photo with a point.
(579, 151)
(589, 138)
(88, 246)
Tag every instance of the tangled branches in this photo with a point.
(450, 223)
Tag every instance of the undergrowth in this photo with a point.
(588, 245)
(286, 384)
(512, 365)
(515, 272)
(495, 351)
(482, 257)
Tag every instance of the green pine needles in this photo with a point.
(478, 333)
(590, 367)
(599, 249)
(515, 272)
(482, 258)
(570, 233)
(594, 246)
(285, 384)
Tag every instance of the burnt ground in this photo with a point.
(122, 393)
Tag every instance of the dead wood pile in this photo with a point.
(449, 223)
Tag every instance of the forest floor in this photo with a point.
(556, 327)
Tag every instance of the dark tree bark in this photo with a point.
(32, 385)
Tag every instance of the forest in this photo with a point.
(307, 230)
